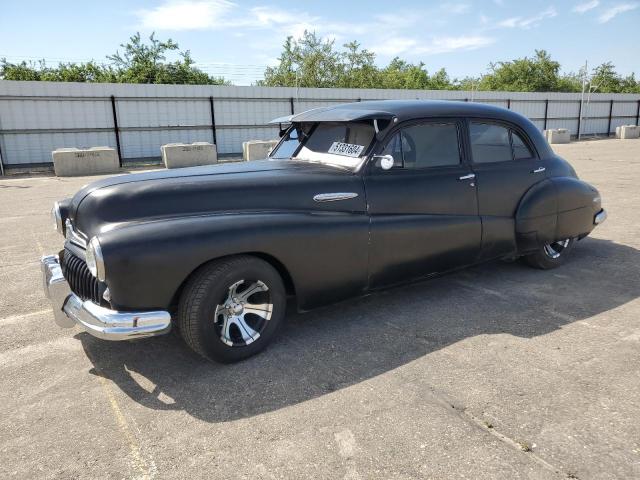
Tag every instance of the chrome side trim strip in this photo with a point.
(332, 197)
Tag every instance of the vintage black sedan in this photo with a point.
(354, 198)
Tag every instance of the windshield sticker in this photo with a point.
(346, 149)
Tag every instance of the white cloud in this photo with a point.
(224, 14)
(452, 44)
(397, 45)
(278, 23)
(616, 10)
(456, 8)
(393, 46)
(528, 22)
(586, 6)
(185, 15)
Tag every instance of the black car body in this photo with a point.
(354, 198)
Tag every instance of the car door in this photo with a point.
(506, 166)
(424, 216)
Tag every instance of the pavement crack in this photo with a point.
(463, 413)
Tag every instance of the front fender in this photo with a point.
(325, 254)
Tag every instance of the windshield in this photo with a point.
(333, 143)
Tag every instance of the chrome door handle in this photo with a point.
(467, 177)
(538, 170)
(334, 197)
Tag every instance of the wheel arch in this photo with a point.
(282, 270)
(536, 216)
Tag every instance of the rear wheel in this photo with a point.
(551, 254)
(231, 308)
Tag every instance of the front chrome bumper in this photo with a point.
(70, 310)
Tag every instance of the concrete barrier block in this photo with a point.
(557, 135)
(73, 162)
(628, 131)
(179, 155)
(257, 149)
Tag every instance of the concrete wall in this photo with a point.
(38, 117)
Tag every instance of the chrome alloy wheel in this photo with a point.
(244, 313)
(555, 249)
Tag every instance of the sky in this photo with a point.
(239, 39)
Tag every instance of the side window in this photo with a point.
(424, 146)
(430, 145)
(520, 148)
(288, 146)
(489, 143)
(394, 149)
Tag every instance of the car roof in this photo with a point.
(404, 110)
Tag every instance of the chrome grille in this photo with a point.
(80, 280)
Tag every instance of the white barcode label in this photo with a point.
(346, 149)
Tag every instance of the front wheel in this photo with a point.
(550, 255)
(231, 308)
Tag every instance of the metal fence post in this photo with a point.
(579, 117)
(116, 129)
(508, 104)
(546, 111)
(213, 121)
(291, 104)
(1, 159)
(638, 113)
(610, 115)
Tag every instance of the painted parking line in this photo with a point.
(12, 319)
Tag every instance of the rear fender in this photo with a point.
(555, 209)
(536, 217)
(578, 203)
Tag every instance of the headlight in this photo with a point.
(56, 218)
(95, 262)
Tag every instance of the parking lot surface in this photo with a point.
(499, 371)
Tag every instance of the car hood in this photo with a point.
(228, 188)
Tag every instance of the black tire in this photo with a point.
(550, 255)
(210, 288)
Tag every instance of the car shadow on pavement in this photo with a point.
(338, 346)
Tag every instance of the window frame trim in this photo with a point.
(527, 144)
(458, 122)
(511, 127)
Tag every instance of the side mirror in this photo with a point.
(386, 161)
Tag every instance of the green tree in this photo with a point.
(140, 62)
(313, 62)
(629, 84)
(537, 74)
(605, 79)
(402, 74)
(307, 62)
(358, 68)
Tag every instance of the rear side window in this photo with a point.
(520, 148)
(489, 143)
(424, 146)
